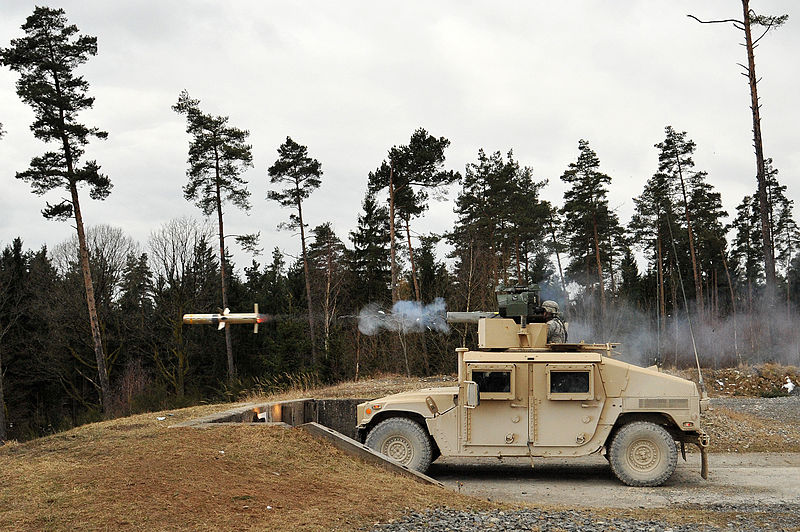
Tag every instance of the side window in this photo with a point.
(494, 381)
(570, 382)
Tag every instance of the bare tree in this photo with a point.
(745, 25)
(175, 251)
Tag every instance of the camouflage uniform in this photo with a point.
(556, 332)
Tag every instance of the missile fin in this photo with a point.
(221, 326)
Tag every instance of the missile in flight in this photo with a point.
(227, 317)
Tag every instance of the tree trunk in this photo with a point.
(413, 265)
(558, 256)
(308, 283)
(358, 351)
(661, 299)
(599, 271)
(94, 322)
(674, 309)
(769, 259)
(223, 277)
(733, 309)
(392, 245)
(328, 303)
(611, 266)
(698, 285)
(469, 287)
(3, 434)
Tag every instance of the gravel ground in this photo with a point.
(721, 517)
(740, 518)
(783, 409)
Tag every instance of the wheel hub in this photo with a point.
(398, 448)
(643, 455)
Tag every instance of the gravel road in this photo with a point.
(746, 492)
(783, 409)
(778, 517)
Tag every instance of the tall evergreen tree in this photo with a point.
(47, 58)
(302, 175)
(784, 231)
(411, 173)
(675, 161)
(327, 264)
(500, 227)
(746, 252)
(588, 221)
(369, 258)
(218, 155)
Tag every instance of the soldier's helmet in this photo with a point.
(550, 306)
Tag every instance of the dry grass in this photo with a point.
(371, 388)
(135, 473)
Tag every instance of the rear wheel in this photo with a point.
(403, 440)
(643, 454)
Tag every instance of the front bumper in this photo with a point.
(702, 440)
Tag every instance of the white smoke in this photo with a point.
(405, 317)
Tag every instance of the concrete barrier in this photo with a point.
(359, 450)
(331, 419)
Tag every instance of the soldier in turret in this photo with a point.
(556, 331)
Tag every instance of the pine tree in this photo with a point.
(369, 258)
(588, 222)
(302, 176)
(501, 226)
(47, 58)
(746, 252)
(326, 262)
(675, 161)
(784, 231)
(411, 173)
(218, 155)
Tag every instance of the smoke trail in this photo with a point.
(753, 337)
(405, 317)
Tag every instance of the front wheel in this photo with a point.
(403, 440)
(643, 454)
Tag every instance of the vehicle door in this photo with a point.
(501, 417)
(566, 401)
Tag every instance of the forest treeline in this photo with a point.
(505, 234)
(93, 326)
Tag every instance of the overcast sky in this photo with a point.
(351, 79)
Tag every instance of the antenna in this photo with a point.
(686, 307)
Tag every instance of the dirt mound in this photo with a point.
(766, 380)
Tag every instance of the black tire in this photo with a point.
(404, 440)
(643, 454)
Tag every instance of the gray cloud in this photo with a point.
(350, 79)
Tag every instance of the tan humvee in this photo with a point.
(519, 396)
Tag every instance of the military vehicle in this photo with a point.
(518, 396)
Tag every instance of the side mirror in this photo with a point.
(471, 394)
